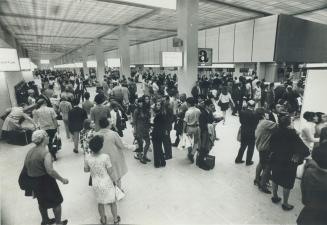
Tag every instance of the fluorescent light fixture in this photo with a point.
(152, 66)
(91, 64)
(45, 61)
(113, 62)
(167, 4)
(9, 60)
(78, 65)
(132, 66)
(316, 65)
(25, 63)
(171, 59)
(222, 66)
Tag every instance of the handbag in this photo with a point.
(119, 195)
(56, 144)
(185, 142)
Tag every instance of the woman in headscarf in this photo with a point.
(314, 186)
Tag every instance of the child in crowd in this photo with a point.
(86, 135)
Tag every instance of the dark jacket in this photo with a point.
(76, 117)
(314, 195)
(195, 92)
(249, 121)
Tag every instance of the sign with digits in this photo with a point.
(205, 56)
(9, 60)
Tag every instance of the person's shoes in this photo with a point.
(147, 159)
(249, 163)
(64, 222)
(75, 151)
(287, 207)
(137, 156)
(50, 221)
(142, 160)
(264, 190)
(118, 220)
(239, 161)
(276, 199)
(103, 221)
(168, 157)
(191, 157)
(174, 144)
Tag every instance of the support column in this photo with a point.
(124, 51)
(84, 58)
(99, 56)
(187, 15)
(261, 73)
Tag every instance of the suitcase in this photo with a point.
(207, 163)
(20, 137)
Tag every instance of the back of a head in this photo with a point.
(261, 112)
(40, 102)
(96, 143)
(103, 122)
(87, 124)
(190, 101)
(284, 121)
(99, 98)
(87, 95)
(308, 116)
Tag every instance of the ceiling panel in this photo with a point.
(81, 10)
(279, 6)
(319, 16)
(164, 19)
(214, 14)
(50, 27)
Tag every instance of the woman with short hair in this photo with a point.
(99, 164)
(42, 176)
(288, 152)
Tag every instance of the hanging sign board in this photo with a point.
(9, 60)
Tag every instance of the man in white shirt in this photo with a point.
(191, 126)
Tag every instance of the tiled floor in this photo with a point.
(180, 193)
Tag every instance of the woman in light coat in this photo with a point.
(113, 146)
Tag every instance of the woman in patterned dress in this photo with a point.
(100, 167)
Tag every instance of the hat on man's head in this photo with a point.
(251, 103)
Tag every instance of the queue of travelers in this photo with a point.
(266, 114)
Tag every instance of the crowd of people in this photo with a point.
(266, 114)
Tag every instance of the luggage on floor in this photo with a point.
(19, 137)
(206, 163)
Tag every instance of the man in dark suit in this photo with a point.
(196, 90)
(249, 121)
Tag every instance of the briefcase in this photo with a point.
(207, 163)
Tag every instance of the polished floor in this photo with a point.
(180, 193)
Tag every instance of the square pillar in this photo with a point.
(124, 51)
(187, 16)
(99, 56)
(84, 59)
